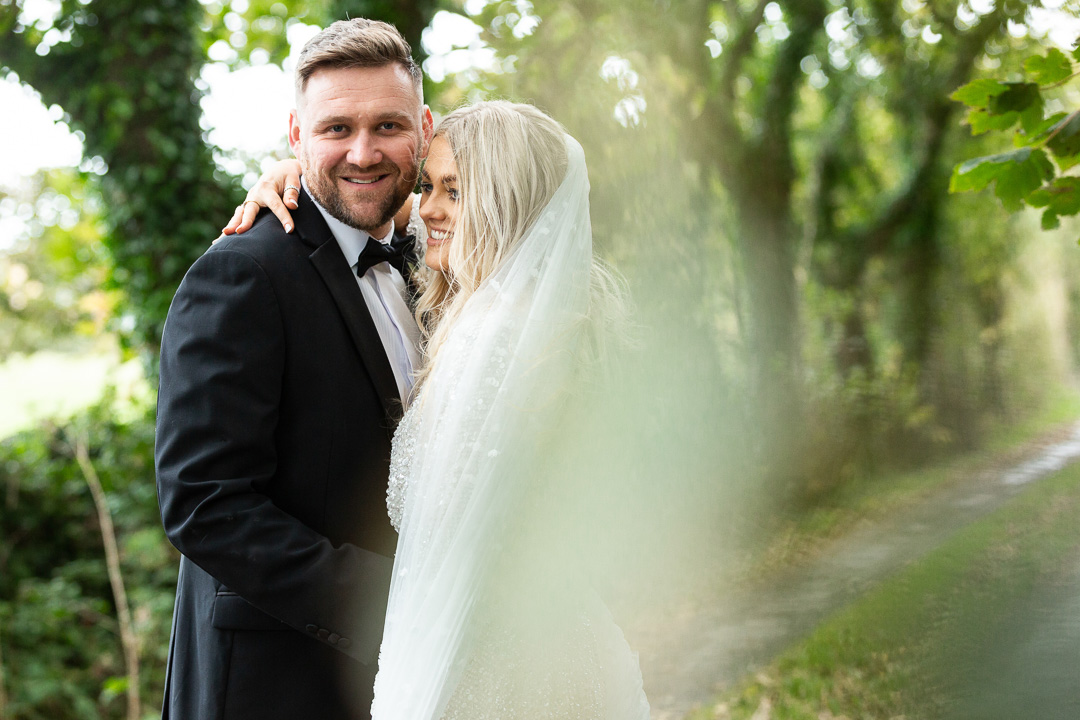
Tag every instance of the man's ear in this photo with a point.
(429, 130)
(294, 132)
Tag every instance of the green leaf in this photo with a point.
(1048, 70)
(981, 121)
(1014, 174)
(115, 685)
(1059, 198)
(1032, 118)
(1064, 138)
(1018, 96)
(1067, 162)
(1045, 126)
(977, 93)
(1076, 52)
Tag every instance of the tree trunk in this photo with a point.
(761, 179)
(990, 307)
(3, 681)
(767, 250)
(410, 17)
(128, 638)
(919, 271)
(853, 350)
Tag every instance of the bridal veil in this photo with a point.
(478, 558)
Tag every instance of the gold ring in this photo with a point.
(247, 201)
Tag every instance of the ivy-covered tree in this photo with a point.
(125, 73)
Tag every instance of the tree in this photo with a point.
(125, 72)
(815, 136)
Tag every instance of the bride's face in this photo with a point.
(439, 203)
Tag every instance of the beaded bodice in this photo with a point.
(401, 456)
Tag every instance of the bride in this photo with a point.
(489, 615)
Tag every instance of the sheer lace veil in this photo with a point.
(484, 415)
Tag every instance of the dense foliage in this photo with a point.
(52, 277)
(58, 624)
(797, 156)
(1026, 174)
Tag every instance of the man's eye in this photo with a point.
(337, 128)
(388, 126)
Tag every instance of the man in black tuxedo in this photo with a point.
(284, 360)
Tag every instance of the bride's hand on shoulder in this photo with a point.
(401, 219)
(278, 189)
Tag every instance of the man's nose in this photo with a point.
(364, 150)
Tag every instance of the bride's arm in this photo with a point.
(401, 220)
(278, 189)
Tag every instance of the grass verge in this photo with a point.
(885, 656)
(870, 498)
(51, 384)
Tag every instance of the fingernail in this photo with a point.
(292, 204)
(288, 228)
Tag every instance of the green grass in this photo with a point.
(873, 497)
(53, 384)
(886, 655)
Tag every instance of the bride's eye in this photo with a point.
(453, 193)
(426, 188)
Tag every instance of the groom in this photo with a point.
(284, 360)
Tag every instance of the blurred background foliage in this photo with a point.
(771, 175)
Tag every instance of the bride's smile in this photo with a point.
(439, 203)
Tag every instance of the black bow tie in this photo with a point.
(397, 252)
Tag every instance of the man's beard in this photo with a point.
(325, 190)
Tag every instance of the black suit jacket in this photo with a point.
(275, 412)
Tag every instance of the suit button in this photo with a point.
(344, 643)
(333, 639)
(312, 629)
(323, 633)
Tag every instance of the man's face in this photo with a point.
(359, 134)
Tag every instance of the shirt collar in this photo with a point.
(351, 240)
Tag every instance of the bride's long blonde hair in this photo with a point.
(510, 158)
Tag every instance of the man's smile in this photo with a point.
(363, 181)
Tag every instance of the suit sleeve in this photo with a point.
(222, 360)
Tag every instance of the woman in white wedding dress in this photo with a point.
(490, 614)
(487, 616)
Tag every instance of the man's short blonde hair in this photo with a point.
(357, 43)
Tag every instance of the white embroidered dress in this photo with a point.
(486, 618)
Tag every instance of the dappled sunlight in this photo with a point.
(51, 385)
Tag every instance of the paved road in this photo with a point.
(699, 653)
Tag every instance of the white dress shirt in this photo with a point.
(385, 294)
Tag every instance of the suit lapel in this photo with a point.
(340, 281)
